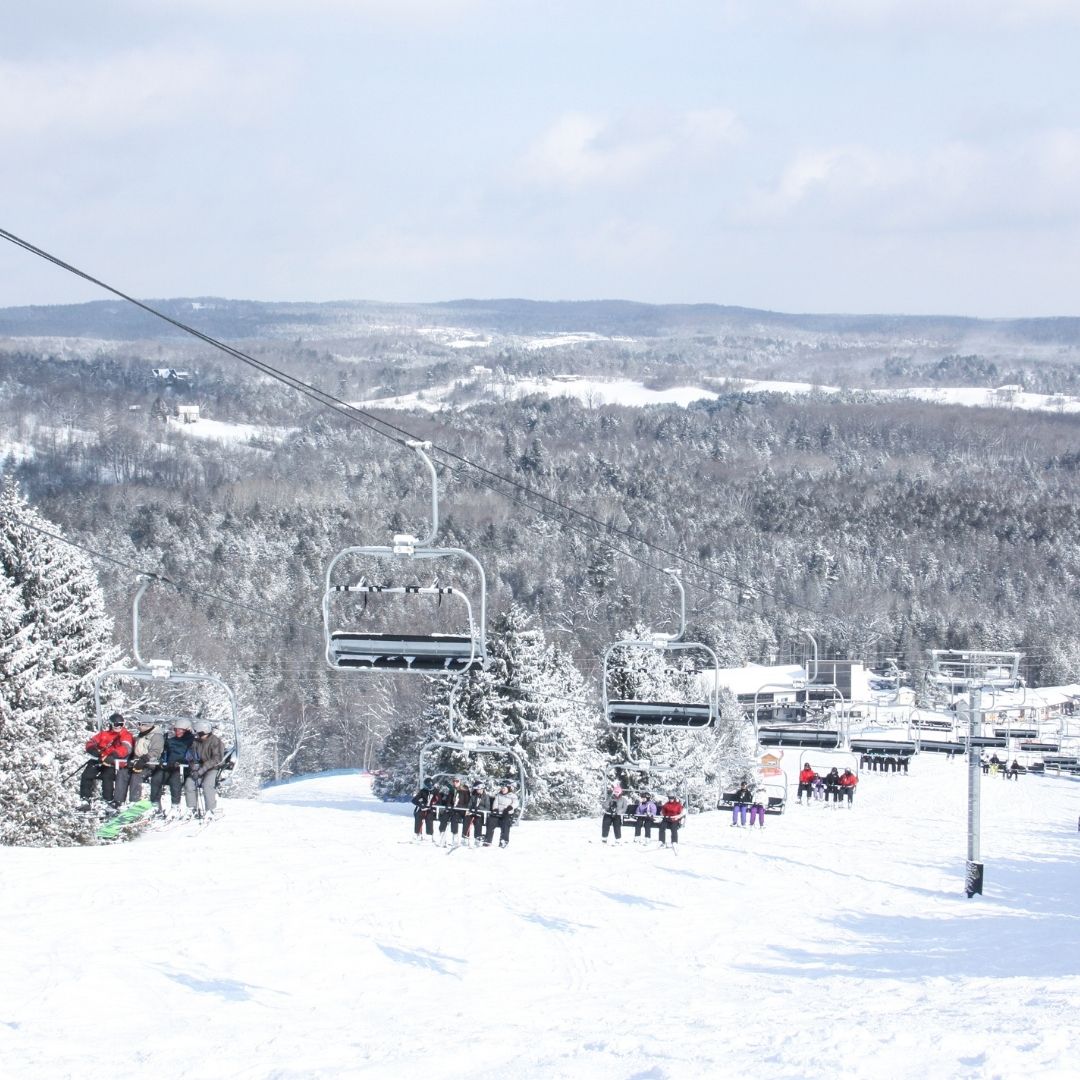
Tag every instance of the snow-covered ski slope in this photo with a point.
(303, 936)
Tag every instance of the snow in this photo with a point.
(226, 432)
(596, 390)
(588, 390)
(15, 451)
(302, 936)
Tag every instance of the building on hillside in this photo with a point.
(778, 691)
(187, 414)
(1029, 706)
(171, 375)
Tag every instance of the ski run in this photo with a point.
(304, 935)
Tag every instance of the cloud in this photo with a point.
(582, 149)
(131, 90)
(1031, 182)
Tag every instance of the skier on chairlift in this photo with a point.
(672, 815)
(503, 809)
(617, 804)
(424, 810)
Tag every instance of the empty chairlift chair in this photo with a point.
(637, 713)
(403, 649)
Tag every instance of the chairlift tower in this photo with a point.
(976, 672)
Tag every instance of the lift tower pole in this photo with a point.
(953, 671)
(973, 878)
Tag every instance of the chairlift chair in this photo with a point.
(624, 713)
(161, 673)
(428, 654)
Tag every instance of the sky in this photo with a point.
(864, 156)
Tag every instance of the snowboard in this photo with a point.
(124, 825)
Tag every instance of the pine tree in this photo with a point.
(531, 700)
(696, 763)
(55, 635)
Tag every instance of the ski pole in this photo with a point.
(77, 769)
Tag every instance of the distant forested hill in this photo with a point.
(247, 319)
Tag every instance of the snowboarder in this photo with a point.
(644, 814)
(806, 783)
(108, 747)
(479, 804)
(424, 810)
(204, 763)
(145, 760)
(847, 785)
(739, 804)
(672, 815)
(503, 808)
(757, 807)
(617, 805)
(174, 761)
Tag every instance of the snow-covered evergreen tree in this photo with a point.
(54, 635)
(695, 763)
(530, 699)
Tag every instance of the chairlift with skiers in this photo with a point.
(470, 745)
(161, 674)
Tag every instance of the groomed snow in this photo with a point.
(303, 936)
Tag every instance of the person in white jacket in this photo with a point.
(758, 801)
(503, 809)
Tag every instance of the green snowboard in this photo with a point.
(125, 824)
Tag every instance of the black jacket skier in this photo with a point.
(424, 809)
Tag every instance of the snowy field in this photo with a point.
(303, 936)
(632, 393)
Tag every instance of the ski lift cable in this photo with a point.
(402, 436)
(165, 580)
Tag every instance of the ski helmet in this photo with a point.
(203, 727)
(116, 720)
(148, 721)
(428, 781)
(182, 723)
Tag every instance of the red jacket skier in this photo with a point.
(671, 817)
(847, 785)
(110, 745)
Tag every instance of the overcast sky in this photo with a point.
(916, 156)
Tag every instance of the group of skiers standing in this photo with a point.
(669, 816)
(184, 757)
(834, 783)
(467, 808)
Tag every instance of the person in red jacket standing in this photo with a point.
(672, 814)
(108, 747)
